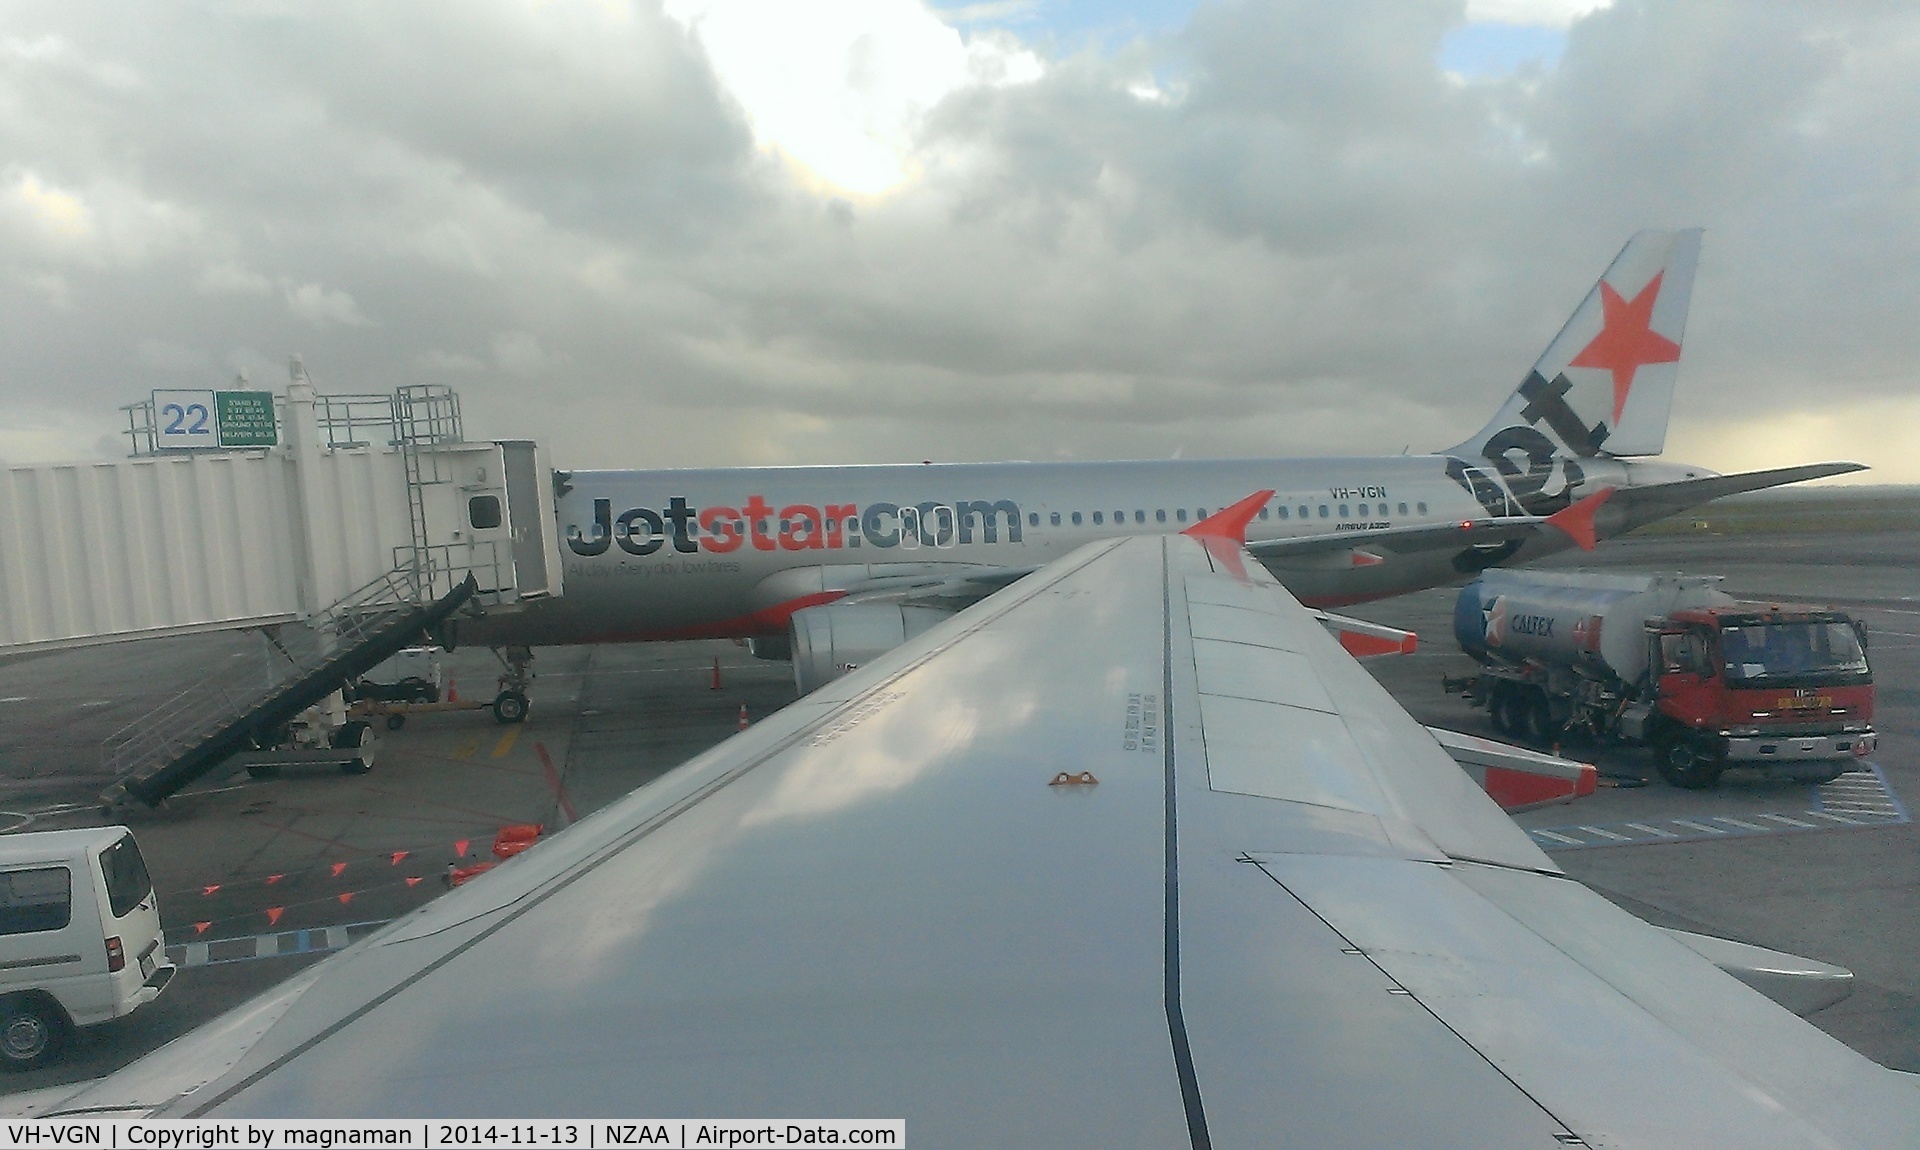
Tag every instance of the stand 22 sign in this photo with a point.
(188, 419)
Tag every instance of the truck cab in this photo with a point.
(80, 940)
(1752, 685)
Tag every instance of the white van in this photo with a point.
(79, 938)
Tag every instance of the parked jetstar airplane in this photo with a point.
(836, 564)
(1129, 854)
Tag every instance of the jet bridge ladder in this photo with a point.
(197, 730)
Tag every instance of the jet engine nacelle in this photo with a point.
(830, 640)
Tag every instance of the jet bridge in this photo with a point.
(347, 527)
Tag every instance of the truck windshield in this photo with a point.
(1792, 651)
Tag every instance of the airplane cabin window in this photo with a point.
(1097, 520)
(1054, 519)
(1283, 513)
(1263, 513)
(1403, 509)
(1076, 519)
(1033, 519)
(1343, 511)
(1422, 507)
(1160, 516)
(1181, 514)
(1324, 512)
(1200, 514)
(1139, 516)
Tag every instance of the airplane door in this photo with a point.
(530, 520)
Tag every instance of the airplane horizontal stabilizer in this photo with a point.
(1632, 507)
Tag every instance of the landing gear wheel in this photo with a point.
(32, 1032)
(353, 737)
(510, 707)
(1682, 765)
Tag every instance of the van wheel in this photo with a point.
(33, 1030)
(353, 736)
(1681, 763)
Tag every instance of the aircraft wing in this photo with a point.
(1129, 854)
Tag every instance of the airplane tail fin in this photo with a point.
(1604, 386)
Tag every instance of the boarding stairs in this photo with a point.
(246, 707)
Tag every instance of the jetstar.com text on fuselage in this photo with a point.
(795, 527)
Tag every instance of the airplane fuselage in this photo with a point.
(706, 553)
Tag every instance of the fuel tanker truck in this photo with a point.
(1706, 681)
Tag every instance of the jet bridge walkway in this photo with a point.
(217, 718)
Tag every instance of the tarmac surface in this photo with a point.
(258, 878)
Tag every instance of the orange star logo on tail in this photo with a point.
(1627, 340)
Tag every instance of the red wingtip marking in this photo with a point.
(1577, 519)
(1231, 522)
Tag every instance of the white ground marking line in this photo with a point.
(17, 699)
(1559, 838)
(1834, 817)
(1737, 822)
(1691, 825)
(1607, 834)
(1792, 822)
(1665, 834)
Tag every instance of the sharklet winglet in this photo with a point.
(1231, 522)
(1577, 519)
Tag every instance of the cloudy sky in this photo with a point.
(687, 232)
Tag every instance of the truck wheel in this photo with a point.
(33, 1030)
(1682, 764)
(353, 737)
(1500, 708)
(510, 707)
(1540, 726)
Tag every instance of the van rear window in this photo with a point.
(126, 871)
(35, 900)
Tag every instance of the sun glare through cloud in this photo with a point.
(841, 90)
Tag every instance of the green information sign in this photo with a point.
(245, 418)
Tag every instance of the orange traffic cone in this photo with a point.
(743, 716)
(453, 689)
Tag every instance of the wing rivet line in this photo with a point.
(1083, 779)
